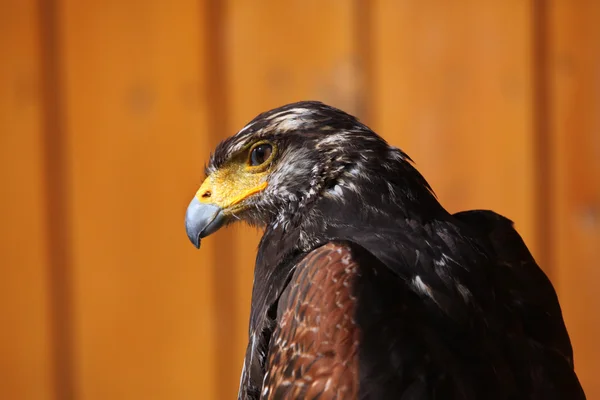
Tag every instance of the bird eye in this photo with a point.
(260, 154)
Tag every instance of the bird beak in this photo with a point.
(202, 219)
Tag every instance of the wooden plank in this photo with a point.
(144, 311)
(574, 81)
(25, 337)
(451, 85)
(276, 53)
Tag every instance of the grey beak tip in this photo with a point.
(201, 220)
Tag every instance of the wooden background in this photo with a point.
(108, 111)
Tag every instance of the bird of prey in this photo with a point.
(365, 287)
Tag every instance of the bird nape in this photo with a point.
(364, 285)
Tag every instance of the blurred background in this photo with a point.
(108, 112)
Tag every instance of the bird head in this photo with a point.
(283, 162)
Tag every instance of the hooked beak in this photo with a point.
(202, 220)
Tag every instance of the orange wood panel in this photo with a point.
(136, 118)
(574, 114)
(25, 334)
(276, 53)
(451, 85)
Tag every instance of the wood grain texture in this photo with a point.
(25, 336)
(277, 53)
(150, 87)
(574, 122)
(451, 85)
(144, 307)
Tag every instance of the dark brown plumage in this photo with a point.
(364, 285)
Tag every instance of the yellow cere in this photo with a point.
(230, 185)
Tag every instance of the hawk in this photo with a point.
(364, 285)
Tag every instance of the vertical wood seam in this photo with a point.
(226, 324)
(363, 37)
(57, 208)
(542, 137)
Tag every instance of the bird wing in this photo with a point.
(348, 326)
(533, 295)
(313, 350)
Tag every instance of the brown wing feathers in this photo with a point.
(313, 351)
